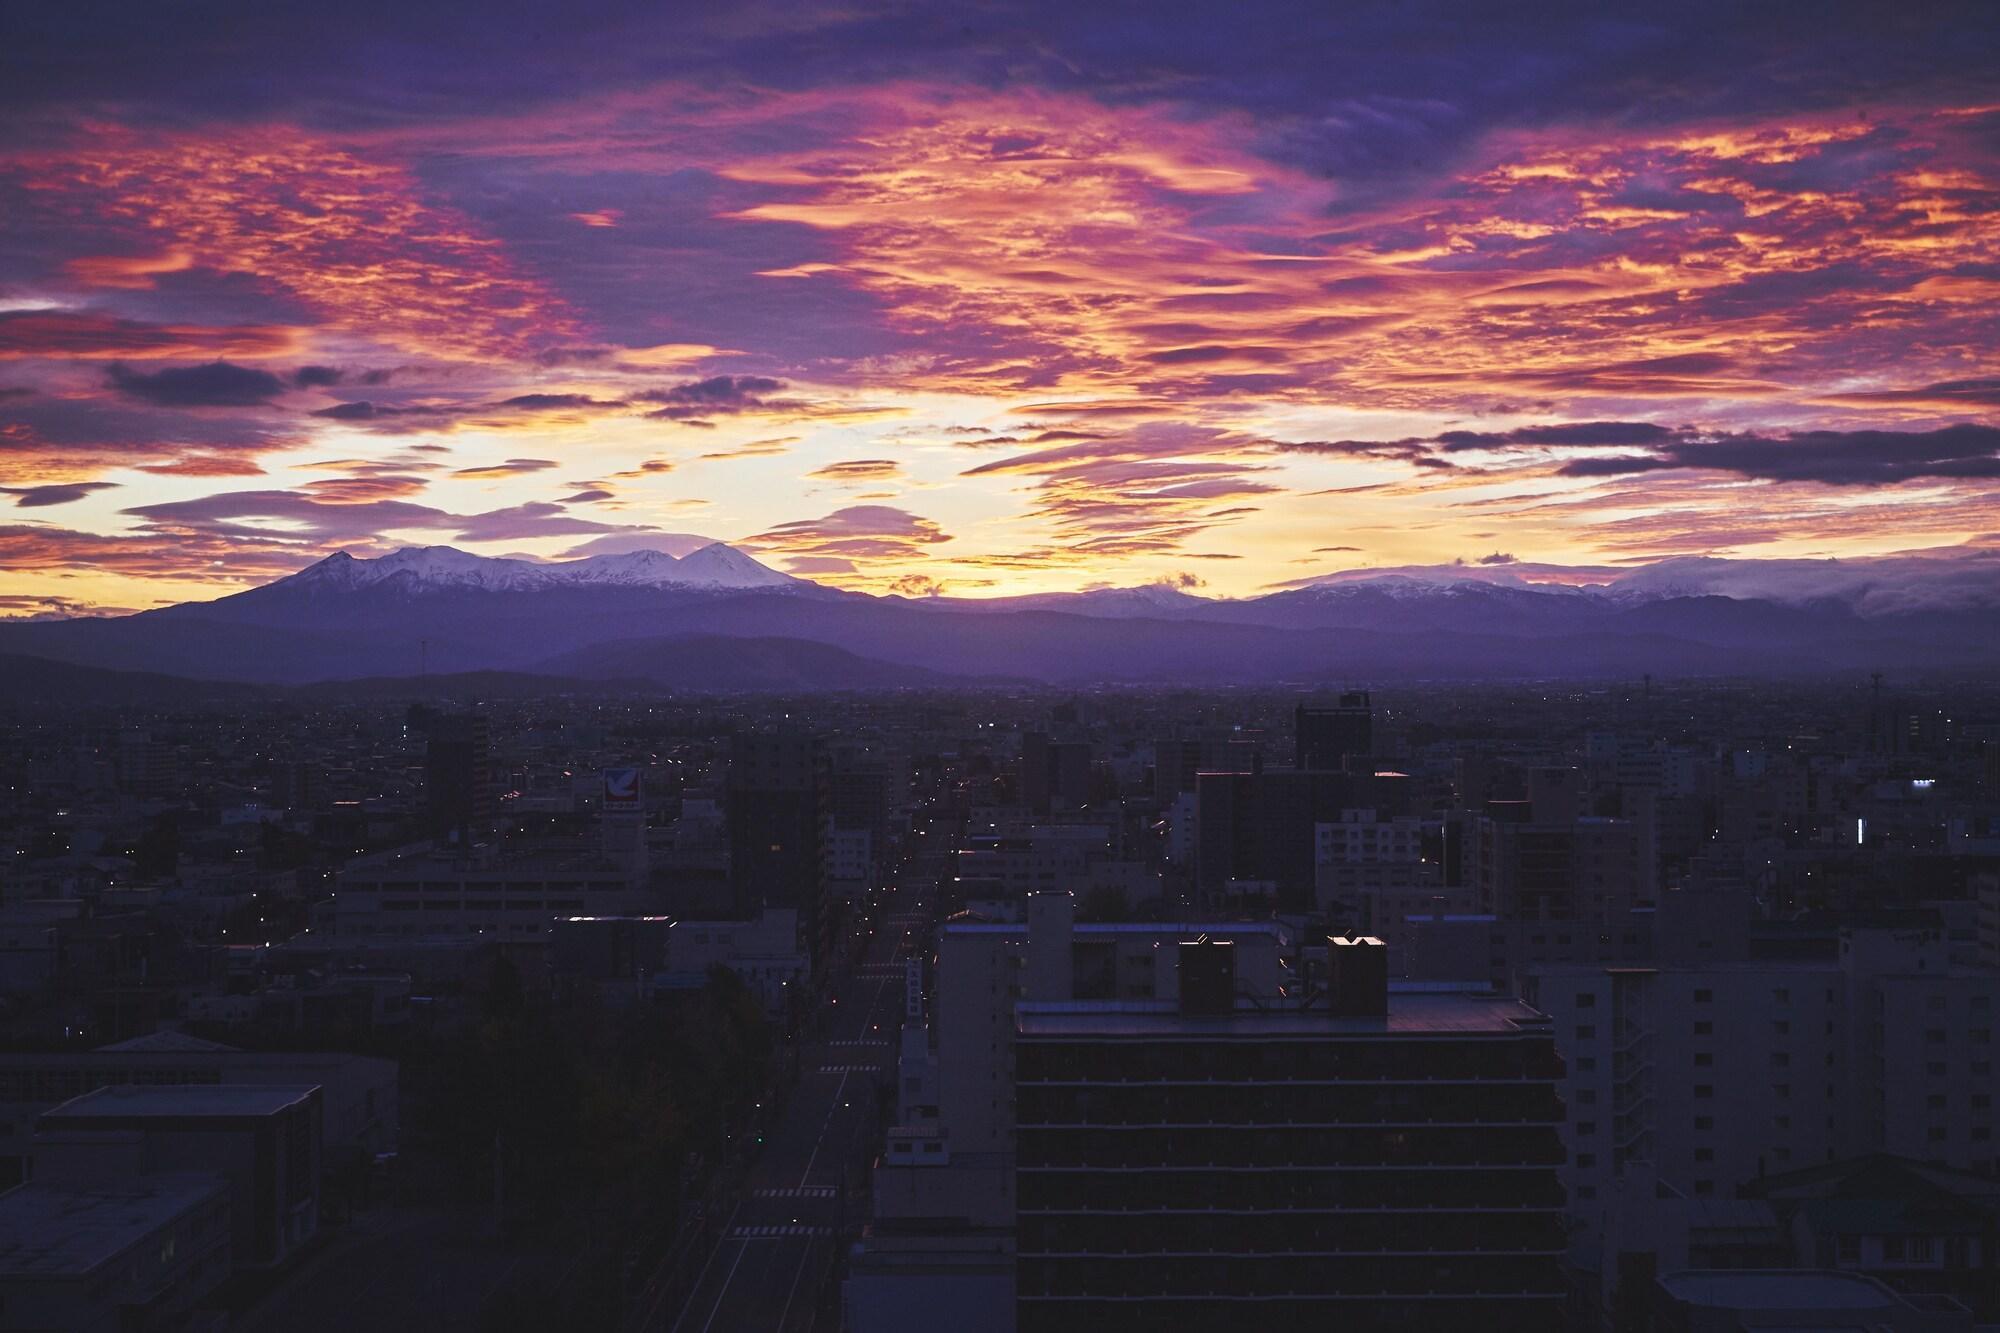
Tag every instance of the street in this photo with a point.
(804, 1191)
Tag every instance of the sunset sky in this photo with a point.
(990, 298)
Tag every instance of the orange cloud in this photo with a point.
(349, 236)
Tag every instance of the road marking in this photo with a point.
(703, 1276)
(776, 1233)
(727, 1278)
(816, 1192)
(824, 1126)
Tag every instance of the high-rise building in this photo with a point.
(1383, 1159)
(1179, 760)
(458, 777)
(1331, 735)
(776, 806)
(1055, 775)
(1262, 828)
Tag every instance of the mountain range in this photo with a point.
(717, 619)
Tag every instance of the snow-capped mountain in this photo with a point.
(440, 609)
(718, 565)
(418, 569)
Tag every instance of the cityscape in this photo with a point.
(999, 667)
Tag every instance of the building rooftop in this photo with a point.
(1411, 1012)
(187, 1099)
(172, 1043)
(1778, 1289)
(53, 1231)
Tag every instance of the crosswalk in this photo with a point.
(872, 1044)
(776, 1232)
(797, 1192)
(850, 1069)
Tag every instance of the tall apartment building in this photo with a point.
(1714, 1075)
(1379, 1160)
(985, 969)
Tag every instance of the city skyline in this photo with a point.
(994, 300)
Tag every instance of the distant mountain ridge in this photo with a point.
(716, 618)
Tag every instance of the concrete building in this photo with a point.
(764, 952)
(358, 1093)
(119, 1256)
(1716, 1075)
(263, 1141)
(415, 891)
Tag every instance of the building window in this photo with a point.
(1703, 995)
